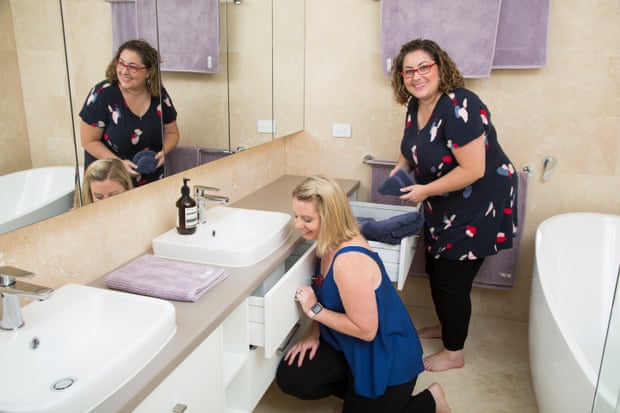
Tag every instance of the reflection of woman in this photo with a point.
(124, 114)
(103, 179)
(362, 346)
(467, 184)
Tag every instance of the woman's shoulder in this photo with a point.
(461, 93)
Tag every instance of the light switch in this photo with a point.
(341, 130)
(266, 126)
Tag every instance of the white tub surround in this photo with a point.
(575, 270)
(35, 194)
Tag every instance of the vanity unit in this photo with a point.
(228, 343)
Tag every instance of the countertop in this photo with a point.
(196, 320)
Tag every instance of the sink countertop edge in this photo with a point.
(216, 304)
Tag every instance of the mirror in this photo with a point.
(54, 51)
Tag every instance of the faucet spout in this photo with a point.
(11, 288)
(200, 192)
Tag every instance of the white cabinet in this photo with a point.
(195, 386)
(397, 258)
(231, 370)
(273, 311)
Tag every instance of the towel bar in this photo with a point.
(370, 160)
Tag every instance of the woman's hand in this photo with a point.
(309, 344)
(130, 167)
(306, 297)
(414, 193)
(159, 157)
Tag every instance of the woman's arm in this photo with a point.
(90, 137)
(471, 162)
(171, 140)
(402, 163)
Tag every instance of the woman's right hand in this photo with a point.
(309, 344)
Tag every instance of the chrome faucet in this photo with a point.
(201, 196)
(11, 288)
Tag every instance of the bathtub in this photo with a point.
(574, 278)
(35, 194)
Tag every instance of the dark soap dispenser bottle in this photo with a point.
(187, 211)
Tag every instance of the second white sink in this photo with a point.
(235, 237)
(78, 347)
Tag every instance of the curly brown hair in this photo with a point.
(449, 76)
(150, 59)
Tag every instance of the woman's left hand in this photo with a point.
(414, 193)
(159, 156)
(306, 297)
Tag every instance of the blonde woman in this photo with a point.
(103, 179)
(362, 346)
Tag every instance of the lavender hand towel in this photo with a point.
(466, 29)
(392, 185)
(522, 34)
(172, 280)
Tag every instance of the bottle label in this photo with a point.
(191, 217)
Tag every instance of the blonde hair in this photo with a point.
(337, 221)
(449, 76)
(101, 170)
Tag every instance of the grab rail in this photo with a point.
(370, 160)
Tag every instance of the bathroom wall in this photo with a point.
(569, 109)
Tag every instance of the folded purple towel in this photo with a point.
(392, 185)
(393, 229)
(172, 280)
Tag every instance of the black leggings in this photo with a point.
(451, 283)
(328, 374)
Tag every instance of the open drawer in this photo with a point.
(273, 311)
(396, 258)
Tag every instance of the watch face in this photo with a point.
(316, 308)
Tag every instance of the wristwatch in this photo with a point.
(315, 309)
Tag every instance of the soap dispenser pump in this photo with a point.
(187, 211)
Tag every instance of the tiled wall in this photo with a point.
(569, 109)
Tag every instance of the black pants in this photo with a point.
(451, 283)
(328, 374)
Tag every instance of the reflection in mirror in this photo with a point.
(35, 127)
(288, 66)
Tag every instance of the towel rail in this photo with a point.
(370, 160)
(215, 151)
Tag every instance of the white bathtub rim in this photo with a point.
(589, 370)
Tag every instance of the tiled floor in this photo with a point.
(495, 379)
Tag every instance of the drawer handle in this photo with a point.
(179, 408)
(289, 337)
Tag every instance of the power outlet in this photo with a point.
(266, 126)
(341, 130)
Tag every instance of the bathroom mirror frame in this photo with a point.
(53, 74)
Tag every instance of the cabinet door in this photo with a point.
(195, 384)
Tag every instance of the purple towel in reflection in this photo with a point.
(172, 280)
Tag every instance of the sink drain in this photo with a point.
(63, 384)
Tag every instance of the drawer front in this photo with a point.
(280, 310)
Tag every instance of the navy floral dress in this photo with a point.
(125, 133)
(480, 219)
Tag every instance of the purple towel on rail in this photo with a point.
(499, 271)
(172, 280)
(466, 29)
(522, 34)
(189, 31)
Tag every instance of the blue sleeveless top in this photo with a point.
(395, 355)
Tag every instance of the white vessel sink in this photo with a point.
(78, 347)
(235, 237)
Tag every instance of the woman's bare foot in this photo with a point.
(444, 360)
(430, 332)
(441, 404)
